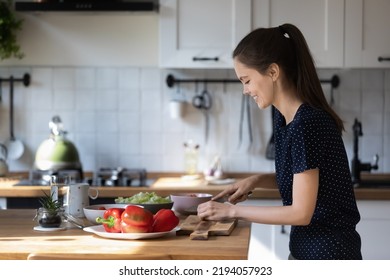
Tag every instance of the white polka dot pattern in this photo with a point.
(311, 141)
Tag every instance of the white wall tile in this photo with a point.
(128, 121)
(85, 78)
(151, 144)
(63, 99)
(386, 150)
(373, 80)
(106, 122)
(85, 99)
(41, 99)
(85, 123)
(63, 78)
(129, 78)
(129, 100)
(372, 101)
(150, 78)
(130, 144)
(107, 78)
(124, 112)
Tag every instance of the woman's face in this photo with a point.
(259, 87)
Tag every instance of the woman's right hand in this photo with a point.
(239, 191)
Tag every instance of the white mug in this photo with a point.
(77, 197)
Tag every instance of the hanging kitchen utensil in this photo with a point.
(203, 102)
(14, 146)
(270, 150)
(1, 90)
(245, 105)
(3, 161)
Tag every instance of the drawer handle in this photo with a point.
(381, 58)
(205, 58)
(283, 230)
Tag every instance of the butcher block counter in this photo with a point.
(167, 183)
(18, 240)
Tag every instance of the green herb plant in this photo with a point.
(9, 25)
(50, 204)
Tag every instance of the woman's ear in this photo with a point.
(274, 71)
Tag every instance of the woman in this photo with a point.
(312, 171)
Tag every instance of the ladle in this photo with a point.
(14, 146)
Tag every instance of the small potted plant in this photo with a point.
(51, 213)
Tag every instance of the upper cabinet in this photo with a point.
(367, 35)
(321, 22)
(201, 33)
(340, 33)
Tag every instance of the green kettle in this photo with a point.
(57, 152)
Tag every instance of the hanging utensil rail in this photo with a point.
(26, 79)
(171, 81)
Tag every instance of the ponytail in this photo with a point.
(308, 84)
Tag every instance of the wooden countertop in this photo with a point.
(18, 239)
(172, 183)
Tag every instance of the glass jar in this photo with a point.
(49, 218)
(191, 151)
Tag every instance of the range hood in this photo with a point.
(87, 6)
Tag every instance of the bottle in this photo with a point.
(191, 151)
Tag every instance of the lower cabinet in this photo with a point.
(3, 203)
(270, 242)
(374, 229)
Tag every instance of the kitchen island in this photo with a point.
(18, 241)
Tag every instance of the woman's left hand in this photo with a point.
(215, 211)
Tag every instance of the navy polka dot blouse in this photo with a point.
(311, 141)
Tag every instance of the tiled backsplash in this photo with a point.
(120, 116)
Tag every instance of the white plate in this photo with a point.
(100, 231)
(39, 228)
(226, 181)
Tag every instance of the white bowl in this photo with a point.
(154, 207)
(92, 212)
(187, 203)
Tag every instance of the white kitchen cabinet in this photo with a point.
(268, 242)
(3, 203)
(367, 34)
(374, 229)
(201, 33)
(321, 22)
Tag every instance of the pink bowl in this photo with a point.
(187, 203)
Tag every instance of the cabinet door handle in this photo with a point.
(205, 58)
(283, 229)
(381, 58)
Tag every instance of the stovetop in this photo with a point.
(120, 177)
(128, 177)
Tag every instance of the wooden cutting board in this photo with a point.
(201, 230)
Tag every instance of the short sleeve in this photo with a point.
(305, 147)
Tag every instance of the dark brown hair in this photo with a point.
(286, 46)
